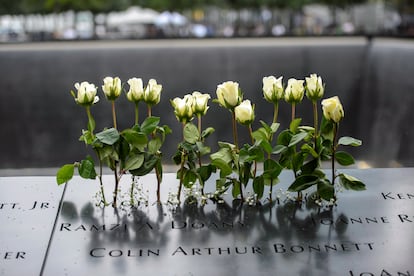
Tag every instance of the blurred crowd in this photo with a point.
(372, 18)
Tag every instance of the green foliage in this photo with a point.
(109, 136)
(65, 173)
(191, 134)
(87, 168)
(351, 183)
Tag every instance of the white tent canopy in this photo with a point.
(132, 16)
(171, 18)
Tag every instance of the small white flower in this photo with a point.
(228, 94)
(152, 92)
(183, 108)
(314, 87)
(200, 103)
(272, 89)
(136, 90)
(294, 91)
(332, 109)
(86, 93)
(244, 113)
(112, 88)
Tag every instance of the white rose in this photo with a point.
(294, 91)
(272, 89)
(314, 87)
(136, 90)
(228, 94)
(86, 93)
(244, 113)
(112, 88)
(152, 93)
(200, 103)
(332, 109)
(183, 108)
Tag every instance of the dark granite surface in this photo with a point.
(28, 209)
(367, 232)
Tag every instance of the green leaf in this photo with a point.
(134, 161)
(274, 127)
(223, 154)
(265, 126)
(207, 132)
(306, 148)
(189, 178)
(150, 161)
(294, 125)
(123, 149)
(267, 147)
(223, 166)
(236, 189)
(325, 189)
(105, 151)
(327, 128)
(260, 134)
(109, 136)
(202, 148)
(297, 161)
(351, 183)
(271, 169)
(136, 139)
(310, 166)
(205, 172)
(87, 137)
(303, 182)
(297, 138)
(284, 138)
(166, 129)
(65, 173)
(154, 145)
(349, 141)
(279, 149)
(149, 124)
(344, 158)
(87, 168)
(258, 186)
(190, 133)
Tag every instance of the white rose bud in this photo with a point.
(86, 93)
(314, 87)
(244, 113)
(152, 93)
(272, 89)
(294, 91)
(332, 109)
(112, 88)
(136, 90)
(183, 108)
(228, 94)
(200, 103)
